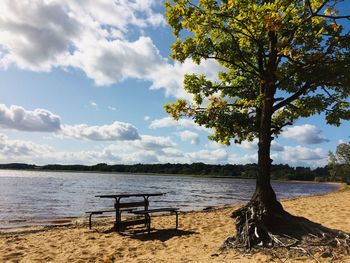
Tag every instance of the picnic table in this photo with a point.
(120, 207)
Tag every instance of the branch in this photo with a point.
(227, 61)
(277, 129)
(316, 13)
(318, 9)
(241, 55)
(333, 17)
(296, 95)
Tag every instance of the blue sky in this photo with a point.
(85, 82)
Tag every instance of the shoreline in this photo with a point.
(198, 239)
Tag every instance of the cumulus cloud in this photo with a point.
(92, 36)
(13, 149)
(36, 34)
(303, 153)
(167, 122)
(253, 145)
(212, 157)
(38, 120)
(249, 145)
(213, 145)
(308, 134)
(153, 142)
(41, 120)
(115, 131)
(149, 149)
(301, 156)
(190, 136)
(243, 158)
(275, 146)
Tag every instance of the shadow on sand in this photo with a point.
(156, 234)
(161, 234)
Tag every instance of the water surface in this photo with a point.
(32, 197)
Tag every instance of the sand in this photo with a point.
(198, 239)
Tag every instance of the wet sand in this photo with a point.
(198, 239)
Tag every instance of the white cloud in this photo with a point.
(218, 156)
(249, 145)
(112, 108)
(16, 149)
(243, 158)
(36, 34)
(213, 145)
(38, 120)
(253, 145)
(147, 118)
(167, 122)
(149, 149)
(92, 36)
(153, 142)
(190, 136)
(171, 77)
(308, 134)
(275, 146)
(301, 156)
(302, 153)
(94, 105)
(115, 131)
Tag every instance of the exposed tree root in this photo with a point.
(282, 235)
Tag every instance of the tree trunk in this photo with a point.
(264, 193)
(263, 212)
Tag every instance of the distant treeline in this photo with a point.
(281, 171)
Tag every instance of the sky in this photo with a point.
(85, 82)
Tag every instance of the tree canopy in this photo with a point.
(296, 53)
(280, 60)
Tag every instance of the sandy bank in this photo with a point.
(198, 240)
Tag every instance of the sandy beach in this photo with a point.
(198, 239)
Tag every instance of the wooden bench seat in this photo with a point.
(100, 212)
(157, 210)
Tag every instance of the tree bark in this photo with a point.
(264, 194)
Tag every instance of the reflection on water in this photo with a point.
(28, 197)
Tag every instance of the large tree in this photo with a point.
(281, 60)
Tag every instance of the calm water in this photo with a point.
(28, 198)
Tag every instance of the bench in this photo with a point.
(97, 213)
(131, 207)
(147, 213)
(118, 209)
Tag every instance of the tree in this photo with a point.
(339, 163)
(281, 60)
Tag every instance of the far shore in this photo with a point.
(168, 174)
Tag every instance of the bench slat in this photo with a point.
(132, 204)
(156, 210)
(99, 212)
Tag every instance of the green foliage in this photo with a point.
(339, 163)
(291, 56)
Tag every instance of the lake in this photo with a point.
(33, 197)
